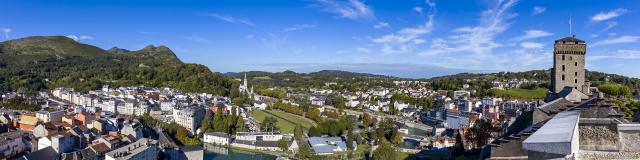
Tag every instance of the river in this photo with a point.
(212, 152)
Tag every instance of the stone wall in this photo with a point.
(629, 135)
(603, 137)
(571, 56)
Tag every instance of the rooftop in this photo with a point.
(125, 152)
(557, 132)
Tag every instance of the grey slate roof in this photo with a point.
(45, 153)
(326, 144)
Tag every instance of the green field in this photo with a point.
(518, 93)
(286, 121)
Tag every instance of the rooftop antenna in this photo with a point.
(570, 33)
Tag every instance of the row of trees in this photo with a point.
(220, 121)
(19, 103)
(612, 89)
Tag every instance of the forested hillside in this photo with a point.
(37, 63)
(343, 80)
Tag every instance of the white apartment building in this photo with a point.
(258, 136)
(54, 116)
(189, 117)
(216, 138)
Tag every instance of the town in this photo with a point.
(151, 123)
(319, 80)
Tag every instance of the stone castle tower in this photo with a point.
(568, 65)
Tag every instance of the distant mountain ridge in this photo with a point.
(42, 62)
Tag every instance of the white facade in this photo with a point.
(257, 136)
(50, 116)
(216, 138)
(189, 117)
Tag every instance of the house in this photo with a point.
(267, 141)
(409, 112)
(260, 105)
(258, 136)
(54, 116)
(46, 153)
(133, 129)
(216, 138)
(399, 105)
(12, 144)
(45, 129)
(328, 145)
(85, 118)
(143, 149)
(28, 122)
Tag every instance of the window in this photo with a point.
(576, 63)
(563, 77)
(571, 58)
(576, 81)
(563, 57)
(576, 74)
(562, 67)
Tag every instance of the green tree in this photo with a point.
(283, 144)
(269, 124)
(385, 151)
(350, 140)
(396, 138)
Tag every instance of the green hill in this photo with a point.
(39, 63)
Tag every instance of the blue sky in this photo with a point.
(408, 38)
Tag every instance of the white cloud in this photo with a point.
(610, 25)
(351, 9)
(476, 39)
(381, 25)
(620, 54)
(231, 19)
(531, 34)
(6, 32)
(608, 15)
(617, 40)
(531, 45)
(538, 10)
(354, 50)
(419, 10)
(251, 36)
(406, 39)
(80, 38)
(299, 27)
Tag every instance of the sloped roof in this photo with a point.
(45, 153)
(570, 39)
(30, 120)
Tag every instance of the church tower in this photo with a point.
(568, 65)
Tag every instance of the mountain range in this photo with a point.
(42, 62)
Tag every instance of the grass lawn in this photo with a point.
(286, 121)
(538, 93)
(305, 122)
